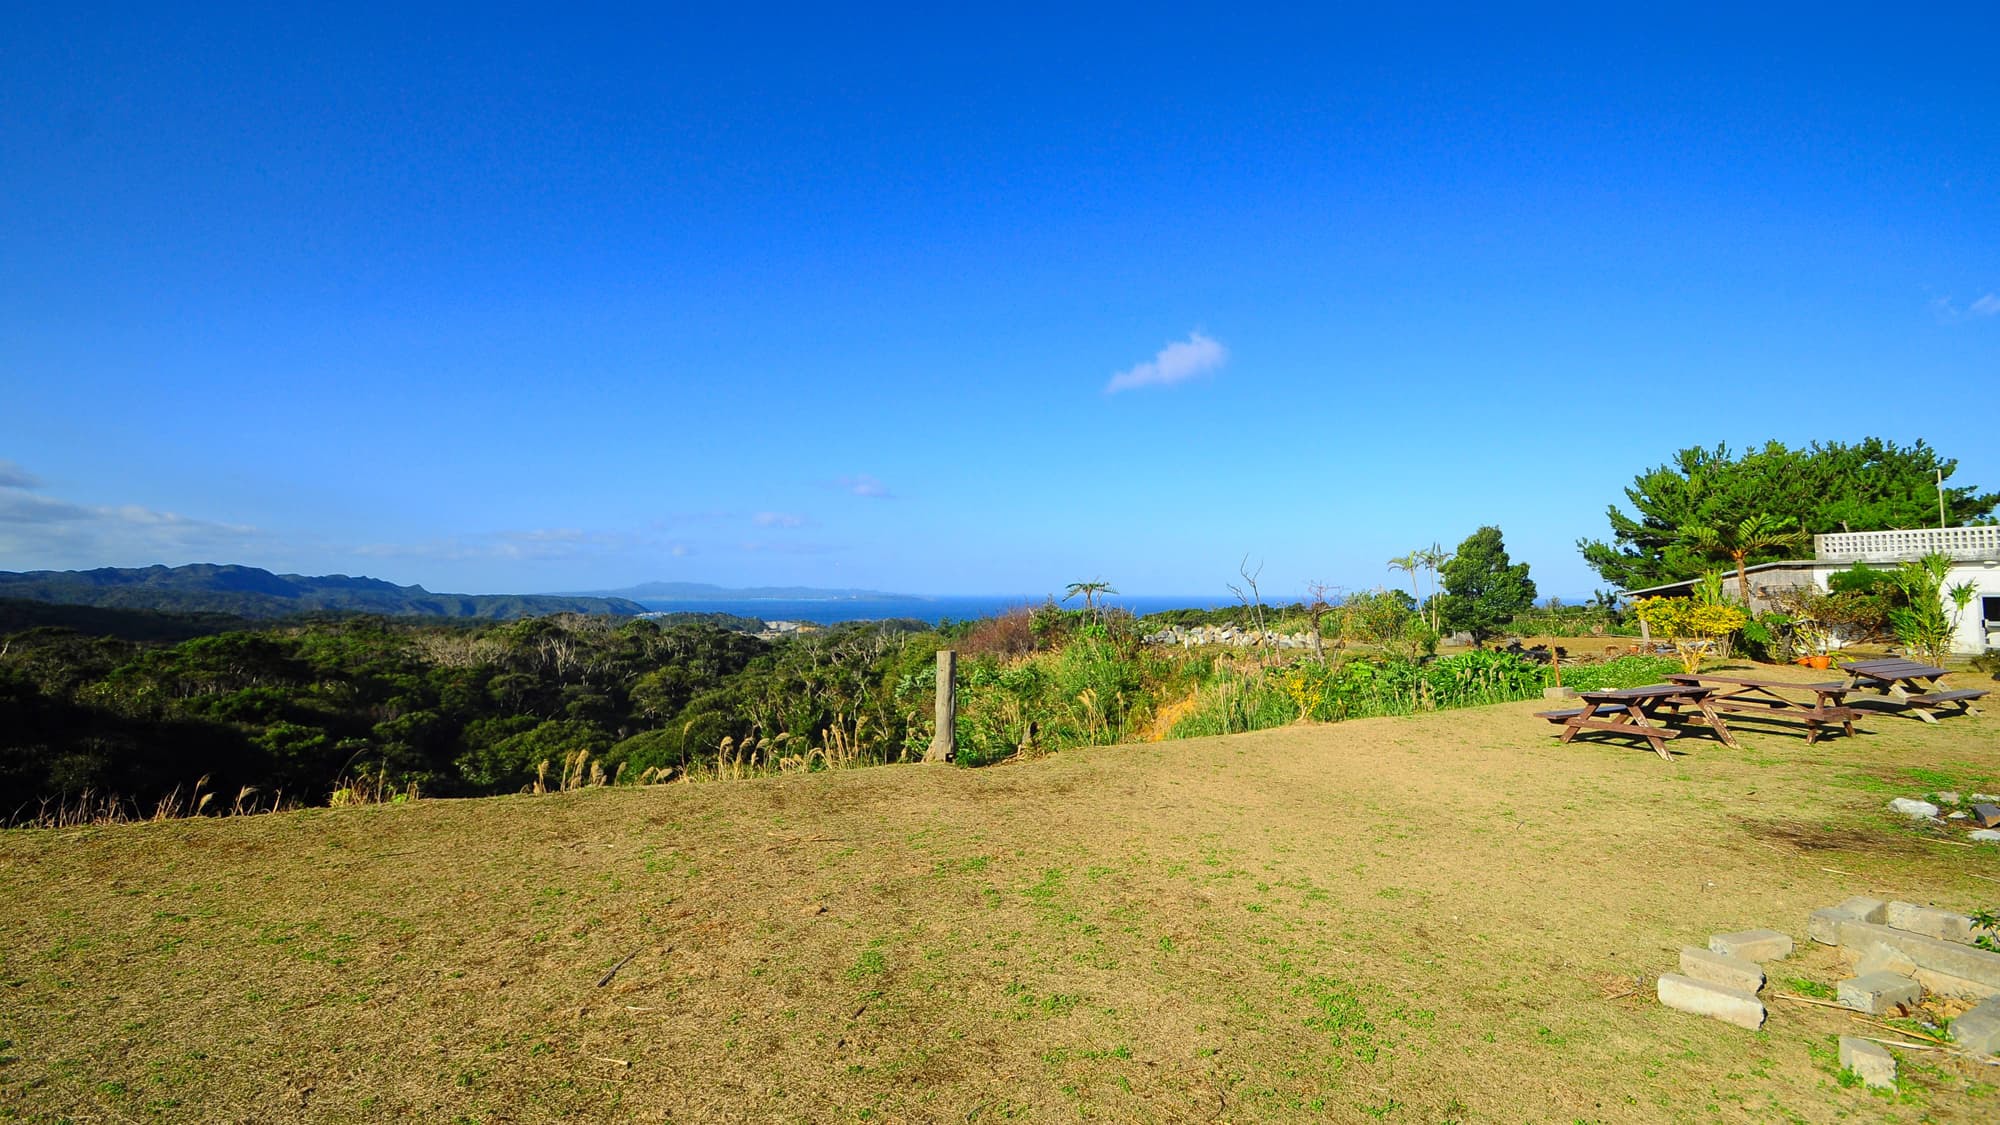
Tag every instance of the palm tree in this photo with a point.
(1429, 561)
(1739, 541)
(1090, 591)
(1410, 564)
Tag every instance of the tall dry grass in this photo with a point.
(90, 809)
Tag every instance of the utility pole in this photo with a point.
(1940, 476)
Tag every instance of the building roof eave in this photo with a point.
(1783, 564)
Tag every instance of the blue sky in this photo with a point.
(961, 303)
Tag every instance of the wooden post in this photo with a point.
(944, 744)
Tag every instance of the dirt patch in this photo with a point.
(1825, 838)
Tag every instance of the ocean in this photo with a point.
(958, 607)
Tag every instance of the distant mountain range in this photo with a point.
(247, 591)
(705, 592)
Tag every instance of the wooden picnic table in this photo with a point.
(1745, 695)
(1648, 712)
(1894, 679)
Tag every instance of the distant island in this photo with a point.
(707, 592)
(246, 591)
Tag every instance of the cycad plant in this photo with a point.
(1738, 541)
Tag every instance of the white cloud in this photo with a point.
(1176, 363)
(862, 484)
(14, 476)
(42, 531)
(538, 544)
(1948, 311)
(778, 519)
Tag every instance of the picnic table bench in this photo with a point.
(1642, 712)
(1744, 695)
(1894, 678)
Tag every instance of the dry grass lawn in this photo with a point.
(1441, 918)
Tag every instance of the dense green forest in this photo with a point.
(246, 591)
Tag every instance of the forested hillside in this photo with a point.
(247, 591)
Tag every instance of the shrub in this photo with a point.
(1624, 672)
(1234, 704)
(1770, 636)
(1922, 623)
(1694, 627)
(1010, 634)
(513, 760)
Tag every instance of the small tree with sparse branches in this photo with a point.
(1090, 591)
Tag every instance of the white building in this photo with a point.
(1975, 558)
(1974, 554)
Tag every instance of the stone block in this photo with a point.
(1944, 984)
(1946, 967)
(1881, 958)
(1823, 926)
(1984, 835)
(1705, 998)
(1872, 1061)
(1752, 945)
(1721, 968)
(1867, 909)
(1978, 1030)
(1879, 993)
(1931, 921)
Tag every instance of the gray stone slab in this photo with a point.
(1879, 993)
(1721, 968)
(1752, 945)
(1872, 1061)
(1972, 973)
(1931, 921)
(1978, 1030)
(1867, 909)
(1705, 998)
(1824, 924)
(1885, 959)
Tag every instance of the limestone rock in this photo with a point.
(1752, 945)
(1879, 993)
(1978, 1030)
(1913, 808)
(1824, 924)
(1872, 1061)
(1882, 958)
(1720, 968)
(1703, 998)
